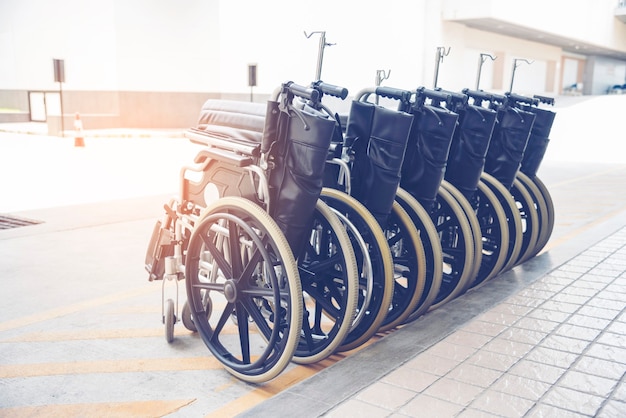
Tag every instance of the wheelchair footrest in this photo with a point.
(160, 246)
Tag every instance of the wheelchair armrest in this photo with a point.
(226, 140)
(223, 155)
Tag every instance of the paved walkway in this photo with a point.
(536, 342)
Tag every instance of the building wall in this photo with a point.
(592, 21)
(152, 62)
(603, 73)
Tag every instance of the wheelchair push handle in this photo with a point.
(393, 93)
(307, 93)
(331, 89)
(518, 98)
(544, 99)
(403, 96)
(436, 97)
(478, 95)
(457, 100)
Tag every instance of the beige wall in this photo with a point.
(171, 53)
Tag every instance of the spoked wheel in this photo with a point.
(495, 233)
(547, 226)
(432, 251)
(530, 219)
(409, 260)
(474, 225)
(513, 218)
(457, 246)
(374, 263)
(169, 319)
(239, 258)
(541, 207)
(330, 284)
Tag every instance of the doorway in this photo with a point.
(43, 104)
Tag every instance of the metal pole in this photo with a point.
(441, 52)
(381, 76)
(320, 56)
(515, 65)
(320, 53)
(481, 61)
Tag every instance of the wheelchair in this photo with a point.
(423, 192)
(514, 156)
(365, 165)
(298, 238)
(269, 269)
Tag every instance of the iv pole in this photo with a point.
(320, 54)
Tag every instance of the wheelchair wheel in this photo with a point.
(409, 264)
(457, 246)
(374, 263)
(432, 250)
(187, 318)
(330, 283)
(530, 219)
(495, 233)
(513, 218)
(186, 313)
(541, 208)
(238, 257)
(474, 225)
(547, 226)
(169, 319)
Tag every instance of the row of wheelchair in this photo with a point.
(300, 233)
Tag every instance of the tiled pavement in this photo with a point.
(556, 348)
(537, 344)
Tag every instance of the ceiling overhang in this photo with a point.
(566, 44)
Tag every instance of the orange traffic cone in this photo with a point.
(79, 140)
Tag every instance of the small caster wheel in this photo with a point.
(169, 319)
(187, 319)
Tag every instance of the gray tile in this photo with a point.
(572, 400)
(548, 314)
(549, 411)
(561, 343)
(612, 409)
(588, 321)
(423, 404)
(453, 391)
(620, 392)
(410, 379)
(597, 312)
(611, 338)
(355, 408)
(521, 386)
(599, 367)
(587, 383)
(429, 363)
(552, 357)
(385, 396)
(469, 339)
(474, 375)
(607, 352)
(537, 371)
(508, 347)
(491, 360)
(502, 404)
(579, 333)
